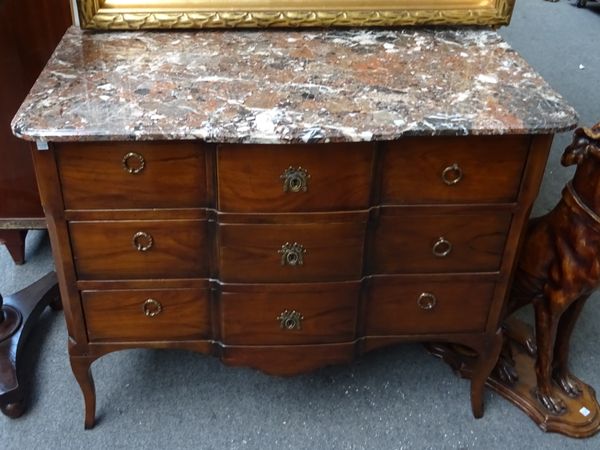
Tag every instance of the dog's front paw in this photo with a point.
(554, 405)
(568, 384)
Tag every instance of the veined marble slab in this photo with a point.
(279, 86)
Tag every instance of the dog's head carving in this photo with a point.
(586, 142)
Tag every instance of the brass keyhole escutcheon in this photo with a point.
(152, 308)
(452, 174)
(290, 320)
(442, 247)
(295, 179)
(133, 163)
(426, 301)
(142, 241)
(292, 254)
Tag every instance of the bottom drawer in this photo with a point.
(426, 305)
(289, 314)
(157, 314)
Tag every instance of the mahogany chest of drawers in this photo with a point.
(287, 257)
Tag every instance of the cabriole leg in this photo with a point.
(486, 361)
(81, 366)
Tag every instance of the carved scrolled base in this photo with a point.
(582, 415)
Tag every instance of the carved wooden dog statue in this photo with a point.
(560, 267)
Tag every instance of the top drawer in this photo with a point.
(471, 169)
(287, 178)
(132, 175)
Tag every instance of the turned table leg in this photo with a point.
(18, 313)
(15, 244)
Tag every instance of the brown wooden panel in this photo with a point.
(532, 177)
(119, 314)
(249, 177)
(105, 250)
(491, 166)
(252, 252)
(462, 305)
(93, 176)
(250, 313)
(404, 243)
(29, 31)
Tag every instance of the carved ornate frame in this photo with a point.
(166, 14)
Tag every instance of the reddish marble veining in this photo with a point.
(287, 86)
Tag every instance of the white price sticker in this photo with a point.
(584, 411)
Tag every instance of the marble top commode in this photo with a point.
(284, 86)
(288, 258)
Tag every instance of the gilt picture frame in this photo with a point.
(181, 14)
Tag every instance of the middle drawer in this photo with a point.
(281, 314)
(291, 252)
(139, 249)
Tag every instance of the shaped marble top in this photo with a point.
(329, 85)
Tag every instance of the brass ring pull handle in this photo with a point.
(295, 179)
(442, 247)
(290, 320)
(152, 308)
(292, 254)
(142, 241)
(452, 174)
(426, 301)
(133, 163)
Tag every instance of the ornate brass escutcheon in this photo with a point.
(442, 247)
(292, 254)
(295, 179)
(152, 308)
(142, 241)
(290, 320)
(133, 163)
(426, 301)
(452, 174)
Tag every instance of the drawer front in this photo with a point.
(253, 178)
(158, 314)
(474, 169)
(291, 252)
(289, 314)
(405, 305)
(132, 175)
(440, 243)
(139, 249)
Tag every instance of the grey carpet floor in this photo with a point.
(392, 399)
